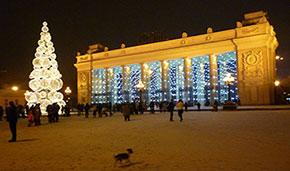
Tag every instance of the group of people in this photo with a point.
(107, 109)
(52, 112)
(33, 115)
(133, 108)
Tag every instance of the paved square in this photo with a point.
(239, 140)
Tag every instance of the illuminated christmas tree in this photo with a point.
(45, 78)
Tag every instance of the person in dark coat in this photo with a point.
(37, 114)
(140, 106)
(198, 106)
(87, 108)
(1, 112)
(12, 117)
(49, 113)
(126, 111)
(110, 108)
(171, 108)
(160, 106)
(82, 108)
(55, 110)
(151, 105)
(185, 106)
(95, 109)
(67, 110)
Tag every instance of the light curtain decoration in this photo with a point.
(45, 77)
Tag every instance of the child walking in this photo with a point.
(30, 118)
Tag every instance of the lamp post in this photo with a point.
(67, 92)
(228, 80)
(277, 83)
(140, 86)
(14, 88)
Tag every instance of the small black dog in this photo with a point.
(123, 156)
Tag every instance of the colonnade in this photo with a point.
(183, 71)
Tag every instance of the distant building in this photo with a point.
(7, 95)
(191, 68)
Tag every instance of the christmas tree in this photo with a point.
(45, 77)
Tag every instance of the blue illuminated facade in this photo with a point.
(166, 80)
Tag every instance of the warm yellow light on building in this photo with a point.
(110, 71)
(277, 83)
(146, 66)
(14, 88)
(201, 66)
(180, 68)
(128, 69)
(228, 79)
(214, 58)
(165, 64)
(140, 85)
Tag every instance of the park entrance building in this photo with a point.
(189, 68)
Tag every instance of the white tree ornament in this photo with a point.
(45, 78)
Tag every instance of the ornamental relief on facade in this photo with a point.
(83, 80)
(250, 30)
(83, 97)
(253, 65)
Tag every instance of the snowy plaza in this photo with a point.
(233, 140)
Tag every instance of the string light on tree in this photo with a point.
(45, 78)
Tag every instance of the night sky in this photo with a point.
(74, 25)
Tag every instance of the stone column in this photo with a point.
(187, 77)
(143, 79)
(165, 88)
(213, 76)
(84, 86)
(107, 84)
(124, 82)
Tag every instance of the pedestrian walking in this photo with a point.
(50, 113)
(198, 106)
(140, 106)
(171, 106)
(95, 111)
(160, 106)
(87, 108)
(185, 106)
(67, 110)
(37, 114)
(165, 106)
(12, 117)
(30, 118)
(55, 110)
(126, 111)
(151, 105)
(180, 109)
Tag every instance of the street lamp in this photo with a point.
(67, 92)
(279, 58)
(228, 79)
(140, 86)
(14, 88)
(277, 83)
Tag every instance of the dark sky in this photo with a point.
(74, 25)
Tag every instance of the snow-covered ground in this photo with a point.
(238, 140)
